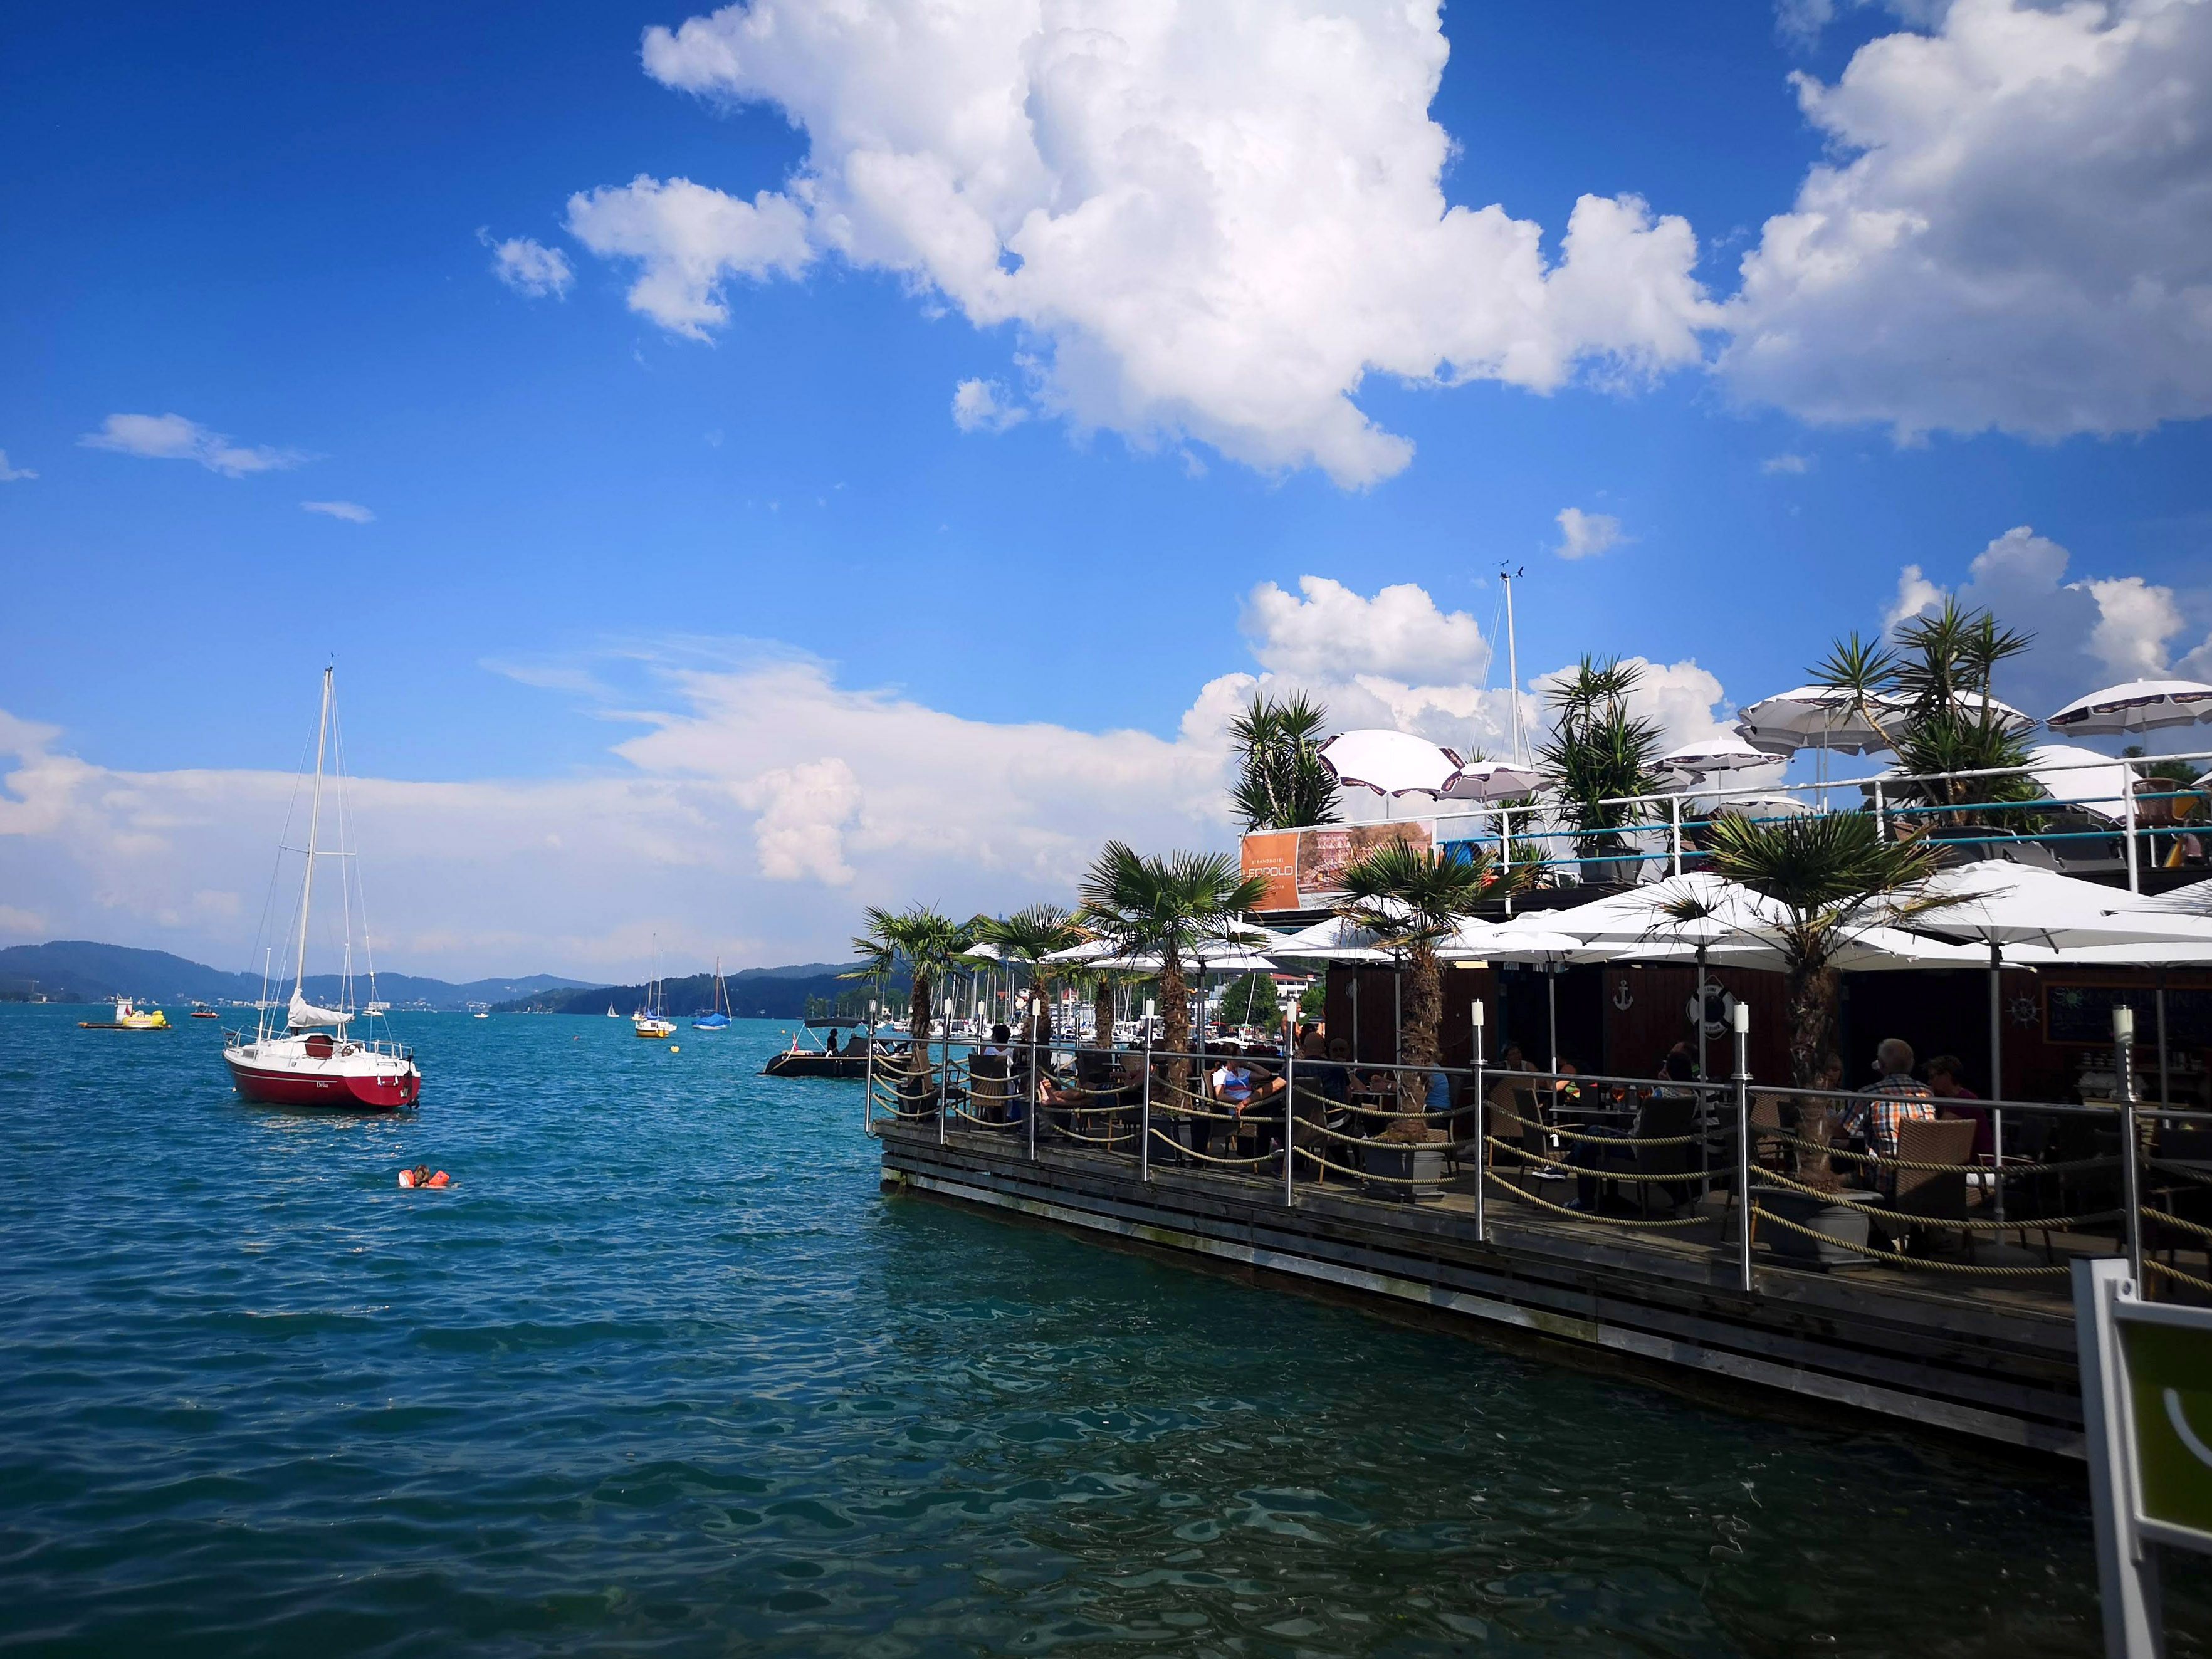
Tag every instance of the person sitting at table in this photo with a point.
(1894, 1097)
(1944, 1072)
(1592, 1155)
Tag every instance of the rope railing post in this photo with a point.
(1481, 1126)
(868, 1076)
(2123, 1044)
(1290, 1101)
(1740, 1018)
(1145, 1127)
(1037, 1077)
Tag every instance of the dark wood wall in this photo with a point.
(1621, 1020)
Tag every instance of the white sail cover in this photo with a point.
(304, 1013)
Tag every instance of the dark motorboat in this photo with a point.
(838, 1057)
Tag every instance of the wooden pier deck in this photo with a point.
(1968, 1356)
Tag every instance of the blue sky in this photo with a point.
(591, 530)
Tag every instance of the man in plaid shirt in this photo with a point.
(1894, 1096)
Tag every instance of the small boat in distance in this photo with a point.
(201, 1011)
(312, 1057)
(612, 1014)
(718, 1016)
(651, 1020)
(129, 1017)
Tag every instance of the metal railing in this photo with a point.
(1763, 1175)
(1661, 827)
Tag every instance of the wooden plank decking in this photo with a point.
(1968, 1356)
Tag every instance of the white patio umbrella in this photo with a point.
(1532, 945)
(1763, 806)
(2080, 777)
(1814, 717)
(2050, 918)
(1493, 779)
(1391, 763)
(1334, 938)
(2138, 706)
(2012, 721)
(1722, 751)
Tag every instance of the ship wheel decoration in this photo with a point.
(2022, 1009)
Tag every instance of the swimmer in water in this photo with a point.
(420, 1175)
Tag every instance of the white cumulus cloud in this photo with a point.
(1584, 535)
(984, 406)
(1796, 465)
(351, 512)
(2010, 234)
(1204, 222)
(689, 240)
(803, 811)
(173, 437)
(13, 474)
(528, 266)
(2089, 632)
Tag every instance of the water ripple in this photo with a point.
(664, 1375)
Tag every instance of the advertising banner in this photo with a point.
(1302, 867)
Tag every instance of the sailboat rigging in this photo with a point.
(718, 1016)
(311, 1058)
(651, 1020)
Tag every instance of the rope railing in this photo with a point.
(1139, 1108)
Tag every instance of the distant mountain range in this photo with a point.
(79, 970)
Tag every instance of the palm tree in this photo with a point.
(1281, 783)
(926, 943)
(1834, 877)
(1410, 897)
(1171, 907)
(1031, 936)
(1600, 752)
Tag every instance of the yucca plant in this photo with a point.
(1599, 752)
(1281, 783)
(1411, 898)
(1832, 877)
(1941, 673)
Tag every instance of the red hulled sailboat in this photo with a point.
(311, 1056)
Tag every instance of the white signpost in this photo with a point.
(2147, 1423)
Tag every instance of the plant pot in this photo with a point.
(1401, 1163)
(1825, 1215)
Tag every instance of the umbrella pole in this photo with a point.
(2165, 1081)
(1700, 1015)
(1397, 1014)
(1997, 1068)
(1552, 1010)
(1355, 1015)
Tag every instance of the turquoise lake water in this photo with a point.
(665, 1374)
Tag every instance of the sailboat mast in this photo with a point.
(314, 820)
(1512, 667)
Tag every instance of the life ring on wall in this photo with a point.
(1714, 1005)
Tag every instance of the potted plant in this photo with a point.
(1410, 897)
(1826, 877)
